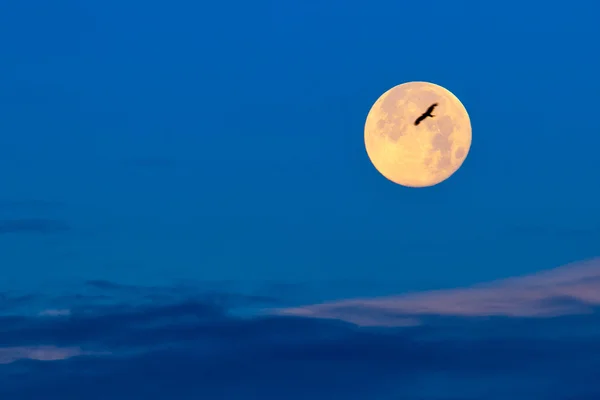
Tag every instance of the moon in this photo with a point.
(422, 155)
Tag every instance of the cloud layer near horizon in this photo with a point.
(106, 340)
(571, 289)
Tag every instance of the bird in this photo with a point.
(426, 114)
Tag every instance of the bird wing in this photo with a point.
(418, 120)
(431, 107)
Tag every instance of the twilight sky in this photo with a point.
(219, 146)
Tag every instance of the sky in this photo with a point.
(197, 172)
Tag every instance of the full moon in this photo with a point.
(417, 155)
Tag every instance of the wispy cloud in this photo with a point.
(570, 289)
(54, 312)
(106, 340)
(40, 353)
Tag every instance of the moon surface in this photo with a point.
(423, 155)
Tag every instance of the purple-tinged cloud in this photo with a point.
(567, 290)
(127, 342)
(52, 312)
(40, 353)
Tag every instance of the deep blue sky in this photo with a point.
(220, 144)
(223, 140)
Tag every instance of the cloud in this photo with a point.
(125, 341)
(55, 313)
(10, 301)
(104, 285)
(571, 289)
(41, 353)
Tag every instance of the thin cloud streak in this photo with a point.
(55, 313)
(39, 353)
(124, 342)
(567, 290)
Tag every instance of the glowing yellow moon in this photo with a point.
(423, 155)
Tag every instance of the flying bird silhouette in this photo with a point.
(426, 114)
